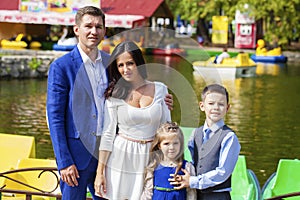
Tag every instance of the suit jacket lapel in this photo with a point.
(82, 76)
(105, 59)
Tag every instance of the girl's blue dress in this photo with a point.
(163, 190)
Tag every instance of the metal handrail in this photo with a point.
(42, 169)
(38, 191)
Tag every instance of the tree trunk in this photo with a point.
(202, 30)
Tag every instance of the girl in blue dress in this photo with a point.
(166, 159)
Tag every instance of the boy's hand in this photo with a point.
(180, 181)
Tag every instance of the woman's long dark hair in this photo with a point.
(118, 87)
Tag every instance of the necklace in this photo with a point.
(169, 163)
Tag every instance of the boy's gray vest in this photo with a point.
(206, 156)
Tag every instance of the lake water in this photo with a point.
(264, 109)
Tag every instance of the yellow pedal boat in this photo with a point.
(240, 66)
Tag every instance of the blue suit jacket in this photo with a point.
(71, 111)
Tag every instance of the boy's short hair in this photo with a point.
(214, 88)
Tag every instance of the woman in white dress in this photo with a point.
(134, 109)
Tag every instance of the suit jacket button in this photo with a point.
(93, 133)
(94, 116)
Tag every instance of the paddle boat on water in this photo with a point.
(169, 50)
(264, 55)
(20, 42)
(108, 44)
(244, 183)
(17, 43)
(240, 66)
(64, 43)
(284, 183)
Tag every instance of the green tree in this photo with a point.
(203, 11)
(280, 18)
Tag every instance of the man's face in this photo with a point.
(90, 32)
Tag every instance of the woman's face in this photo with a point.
(127, 67)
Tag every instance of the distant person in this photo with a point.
(214, 148)
(189, 30)
(200, 39)
(221, 57)
(134, 109)
(166, 157)
(273, 43)
(183, 30)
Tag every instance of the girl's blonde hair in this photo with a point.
(166, 130)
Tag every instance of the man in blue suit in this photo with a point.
(75, 101)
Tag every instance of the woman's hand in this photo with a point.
(100, 185)
(100, 180)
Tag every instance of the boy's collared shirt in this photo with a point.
(230, 149)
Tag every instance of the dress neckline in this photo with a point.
(154, 97)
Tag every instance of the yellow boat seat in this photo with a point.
(46, 181)
(14, 147)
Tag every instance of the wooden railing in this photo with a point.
(28, 189)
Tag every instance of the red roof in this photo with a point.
(9, 5)
(130, 7)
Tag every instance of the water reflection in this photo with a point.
(264, 110)
(273, 69)
(22, 108)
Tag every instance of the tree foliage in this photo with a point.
(281, 18)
